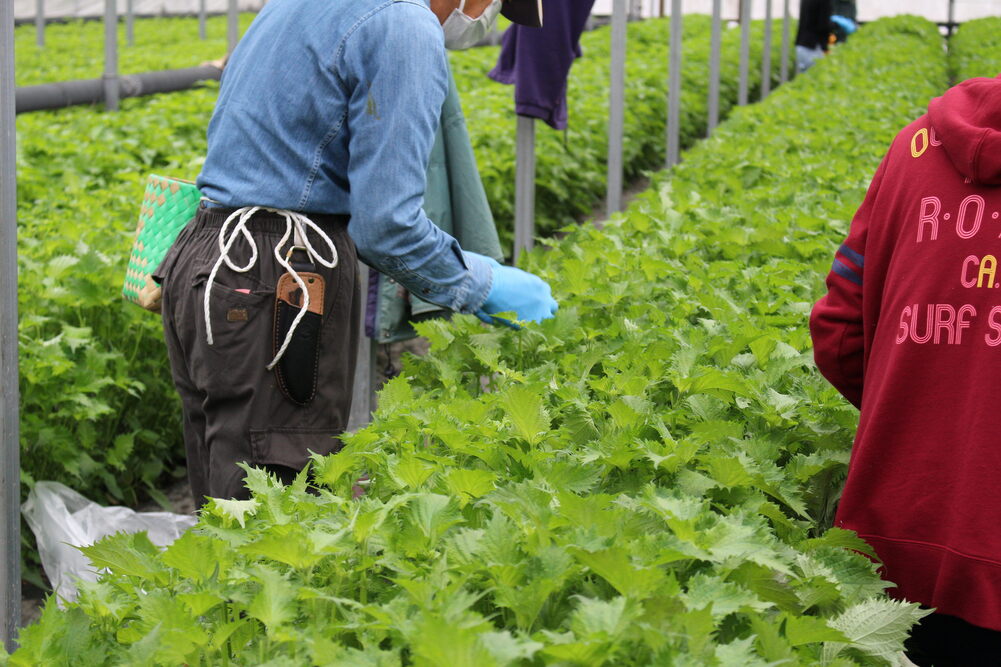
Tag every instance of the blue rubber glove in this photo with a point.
(845, 24)
(517, 291)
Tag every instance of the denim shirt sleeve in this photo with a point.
(396, 69)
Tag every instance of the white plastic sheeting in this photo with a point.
(63, 520)
(25, 9)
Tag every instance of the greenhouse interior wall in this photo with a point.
(628, 417)
(935, 10)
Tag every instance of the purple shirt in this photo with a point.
(537, 60)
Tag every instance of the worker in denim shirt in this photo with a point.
(317, 155)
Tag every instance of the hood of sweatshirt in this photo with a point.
(967, 120)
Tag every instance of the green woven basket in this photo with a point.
(169, 204)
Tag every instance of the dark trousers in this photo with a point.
(946, 641)
(232, 406)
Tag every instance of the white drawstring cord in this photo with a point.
(224, 246)
(296, 225)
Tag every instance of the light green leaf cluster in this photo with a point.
(572, 165)
(75, 49)
(975, 49)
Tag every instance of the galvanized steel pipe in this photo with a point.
(40, 22)
(233, 24)
(674, 87)
(365, 381)
(110, 55)
(92, 91)
(784, 66)
(714, 58)
(10, 453)
(616, 109)
(745, 51)
(130, 23)
(766, 54)
(524, 187)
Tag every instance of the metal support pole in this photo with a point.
(745, 50)
(784, 67)
(40, 22)
(714, 57)
(110, 55)
(10, 461)
(616, 109)
(364, 386)
(234, 26)
(766, 54)
(524, 187)
(201, 19)
(674, 88)
(952, 17)
(130, 23)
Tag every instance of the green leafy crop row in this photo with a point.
(571, 171)
(98, 407)
(644, 479)
(975, 49)
(75, 50)
(572, 166)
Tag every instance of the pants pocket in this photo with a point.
(292, 447)
(234, 366)
(238, 314)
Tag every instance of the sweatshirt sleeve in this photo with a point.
(836, 323)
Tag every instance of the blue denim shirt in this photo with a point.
(332, 107)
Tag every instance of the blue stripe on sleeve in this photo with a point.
(842, 270)
(857, 259)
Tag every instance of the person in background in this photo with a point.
(910, 332)
(813, 35)
(317, 155)
(844, 19)
(845, 8)
(537, 61)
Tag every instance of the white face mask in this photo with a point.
(462, 32)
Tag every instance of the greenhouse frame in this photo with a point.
(593, 486)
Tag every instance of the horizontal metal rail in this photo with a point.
(49, 96)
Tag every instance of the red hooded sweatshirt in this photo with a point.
(910, 332)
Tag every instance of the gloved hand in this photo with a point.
(844, 23)
(514, 290)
